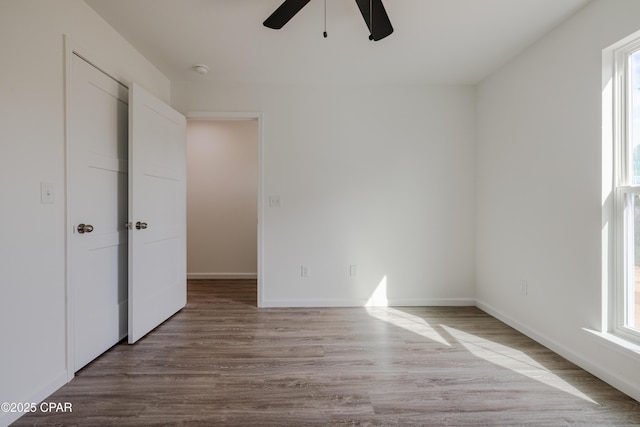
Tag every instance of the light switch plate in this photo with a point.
(47, 193)
(304, 271)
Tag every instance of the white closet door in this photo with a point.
(97, 203)
(157, 212)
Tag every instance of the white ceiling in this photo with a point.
(435, 41)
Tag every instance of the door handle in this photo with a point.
(141, 225)
(85, 228)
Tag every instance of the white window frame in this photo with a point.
(623, 189)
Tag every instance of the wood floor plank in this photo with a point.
(222, 361)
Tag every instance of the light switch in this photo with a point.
(47, 194)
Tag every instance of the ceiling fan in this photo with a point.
(372, 11)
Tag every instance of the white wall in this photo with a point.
(540, 204)
(32, 235)
(222, 198)
(381, 177)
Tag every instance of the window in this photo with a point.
(626, 293)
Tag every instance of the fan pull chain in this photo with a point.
(325, 19)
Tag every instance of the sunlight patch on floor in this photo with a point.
(406, 321)
(514, 360)
(378, 306)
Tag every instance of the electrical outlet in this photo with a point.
(353, 270)
(274, 201)
(524, 287)
(304, 271)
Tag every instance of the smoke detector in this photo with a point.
(201, 69)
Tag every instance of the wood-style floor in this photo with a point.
(221, 361)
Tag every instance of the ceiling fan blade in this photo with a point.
(284, 13)
(381, 26)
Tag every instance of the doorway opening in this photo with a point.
(223, 197)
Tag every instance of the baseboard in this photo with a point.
(310, 303)
(433, 302)
(441, 302)
(593, 367)
(213, 276)
(45, 391)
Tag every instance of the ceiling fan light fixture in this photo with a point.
(201, 69)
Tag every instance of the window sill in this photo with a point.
(616, 343)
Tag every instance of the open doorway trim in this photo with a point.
(213, 116)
